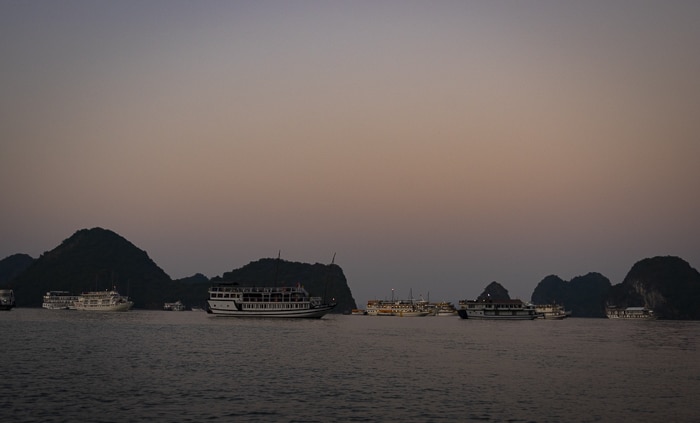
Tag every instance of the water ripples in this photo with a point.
(188, 366)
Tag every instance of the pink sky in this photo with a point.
(434, 146)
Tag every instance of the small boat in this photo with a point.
(629, 313)
(358, 312)
(103, 301)
(176, 306)
(229, 299)
(551, 311)
(489, 309)
(445, 308)
(59, 300)
(7, 299)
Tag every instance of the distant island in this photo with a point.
(99, 259)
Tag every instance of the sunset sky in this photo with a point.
(433, 146)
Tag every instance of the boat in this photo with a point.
(358, 312)
(629, 313)
(445, 308)
(103, 301)
(176, 306)
(59, 300)
(395, 308)
(488, 309)
(229, 299)
(551, 311)
(400, 308)
(7, 299)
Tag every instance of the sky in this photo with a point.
(432, 147)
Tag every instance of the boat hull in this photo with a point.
(464, 314)
(411, 313)
(311, 313)
(111, 308)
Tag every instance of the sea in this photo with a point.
(166, 366)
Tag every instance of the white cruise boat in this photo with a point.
(7, 299)
(59, 300)
(228, 299)
(496, 310)
(629, 313)
(103, 301)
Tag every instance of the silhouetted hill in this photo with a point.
(95, 259)
(551, 290)
(584, 296)
(12, 266)
(99, 259)
(196, 278)
(668, 285)
(320, 280)
(494, 291)
(587, 295)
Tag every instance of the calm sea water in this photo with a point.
(190, 367)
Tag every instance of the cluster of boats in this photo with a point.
(409, 308)
(225, 299)
(229, 299)
(486, 309)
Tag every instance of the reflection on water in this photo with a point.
(189, 366)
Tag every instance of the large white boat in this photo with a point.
(229, 299)
(489, 309)
(629, 313)
(103, 301)
(7, 299)
(59, 300)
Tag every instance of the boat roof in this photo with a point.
(492, 301)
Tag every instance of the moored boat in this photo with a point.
(395, 308)
(629, 313)
(445, 308)
(489, 309)
(59, 300)
(7, 299)
(229, 299)
(551, 311)
(176, 306)
(103, 301)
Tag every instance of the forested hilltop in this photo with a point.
(99, 259)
